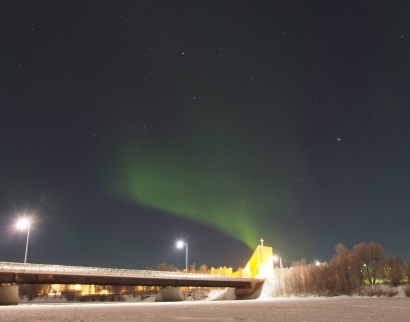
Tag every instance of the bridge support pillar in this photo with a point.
(170, 294)
(9, 294)
(249, 293)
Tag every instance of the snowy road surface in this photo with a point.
(311, 309)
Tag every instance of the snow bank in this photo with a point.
(268, 288)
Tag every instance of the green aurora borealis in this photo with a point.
(241, 186)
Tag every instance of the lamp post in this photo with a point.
(25, 224)
(279, 259)
(368, 273)
(181, 244)
(275, 259)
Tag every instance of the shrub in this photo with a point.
(407, 290)
(374, 291)
(378, 291)
(195, 294)
(391, 292)
(70, 296)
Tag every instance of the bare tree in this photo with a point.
(407, 272)
(192, 268)
(34, 290)
(370, 258)
(347, 273)
(226, 271)
(166, 268)
(203, 269)
(115, 289)
(162, 267)
(342, 251)
(296, 279)
(395, 269)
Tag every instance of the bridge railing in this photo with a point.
(49, 268)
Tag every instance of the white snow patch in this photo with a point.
(268, 288)
(221, 295)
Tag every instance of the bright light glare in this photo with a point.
(23, 223)
(275, 258)
(180, 244)
(318, 263)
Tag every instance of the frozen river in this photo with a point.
(310, 309)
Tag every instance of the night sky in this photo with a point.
(127, 125)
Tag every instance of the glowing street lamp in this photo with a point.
(181, 244)
(279, 259)
(25, 224)
(319, 263)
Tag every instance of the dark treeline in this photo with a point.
(346, 272)
(203, 269)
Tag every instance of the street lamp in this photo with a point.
(279, 259)
(181, 244)
(25, 224)
(368, 273)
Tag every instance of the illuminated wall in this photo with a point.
(261, 263)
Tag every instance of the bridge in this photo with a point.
(259, 267)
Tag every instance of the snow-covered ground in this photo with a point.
(219, 305)
(317, 309)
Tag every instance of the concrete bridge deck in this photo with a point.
(60, 274)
